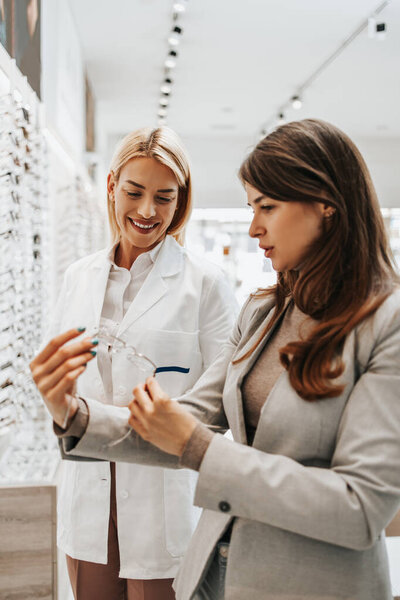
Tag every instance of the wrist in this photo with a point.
(70, 412)
(191, 426)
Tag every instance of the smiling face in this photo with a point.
(285, 230)
(145, 199)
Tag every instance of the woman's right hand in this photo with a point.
(55, 370)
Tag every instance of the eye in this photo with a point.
(161, 199)
(267, 207)
(134, 194)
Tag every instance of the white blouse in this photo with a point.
(122, 287)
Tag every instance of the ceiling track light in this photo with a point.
(170, 62)
(376, 29)
(162, 112)
(296, 102)
(281, 118)
(178, 8)
(166, 86)
(174, 37)
(164, 101)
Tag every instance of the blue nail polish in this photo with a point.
(81, 329)
(95, 341)
(93, 352)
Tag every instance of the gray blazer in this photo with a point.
(311, 497)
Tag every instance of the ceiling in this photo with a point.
(238, 62)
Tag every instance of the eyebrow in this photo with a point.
(257, 200)
(142, 187)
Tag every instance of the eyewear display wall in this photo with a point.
(24, 287)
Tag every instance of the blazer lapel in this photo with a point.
(168, 263)
(260, 318)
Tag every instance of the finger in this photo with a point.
(142, 398)
(138, 427)
(64, 385)
(51, 380)
(155, 391)
(61, 355)
(55, 343)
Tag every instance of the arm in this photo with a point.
(107, 423)
(348, 504)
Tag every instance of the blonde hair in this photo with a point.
(163, 145)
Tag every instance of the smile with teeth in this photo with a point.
(141, 226)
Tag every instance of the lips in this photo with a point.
(267, 250)
(142, 226)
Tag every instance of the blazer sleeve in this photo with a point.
(108, 423)
(218, 312)
(348, 504)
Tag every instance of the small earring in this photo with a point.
(330, 214)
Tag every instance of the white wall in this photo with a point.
(63, 88)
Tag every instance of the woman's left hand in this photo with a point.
(160, 420)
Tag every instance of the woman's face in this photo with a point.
(146, 197)
(285, 230)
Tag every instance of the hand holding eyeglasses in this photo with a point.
(159, 420)
(55, 370)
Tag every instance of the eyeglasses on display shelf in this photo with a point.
(82, 222)
(24, 290)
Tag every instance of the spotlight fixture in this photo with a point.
(170, 63)
(174, 37)
(381, 31)
(375, 29)
(162, 112)
(166, 86)
(161, 121)
(281, 118)
(296, 102)
(178, 8)
(164, 101)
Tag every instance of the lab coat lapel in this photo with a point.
(168, 263)
(98, 284)
(260, 319)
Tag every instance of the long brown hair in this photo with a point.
(349, 271)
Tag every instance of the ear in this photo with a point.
(328, 211)
(111, 186)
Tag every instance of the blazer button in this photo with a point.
(224, 506)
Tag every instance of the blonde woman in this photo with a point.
(125, 528)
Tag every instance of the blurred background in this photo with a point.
(75, 77)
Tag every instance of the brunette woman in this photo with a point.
(296, 505)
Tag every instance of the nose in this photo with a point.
(146, 208)
(255, 229)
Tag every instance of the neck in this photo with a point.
(126, 254)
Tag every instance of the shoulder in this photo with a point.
(256, 309)
(86, 262)
(202, 266)
(382, 327)
(386, 318)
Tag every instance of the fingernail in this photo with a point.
(81, 329)
(93, 352)
(94, 341)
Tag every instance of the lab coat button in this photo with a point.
(224, 506)
(122, 390)
(124, 494)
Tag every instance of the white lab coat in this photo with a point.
(181, 315)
